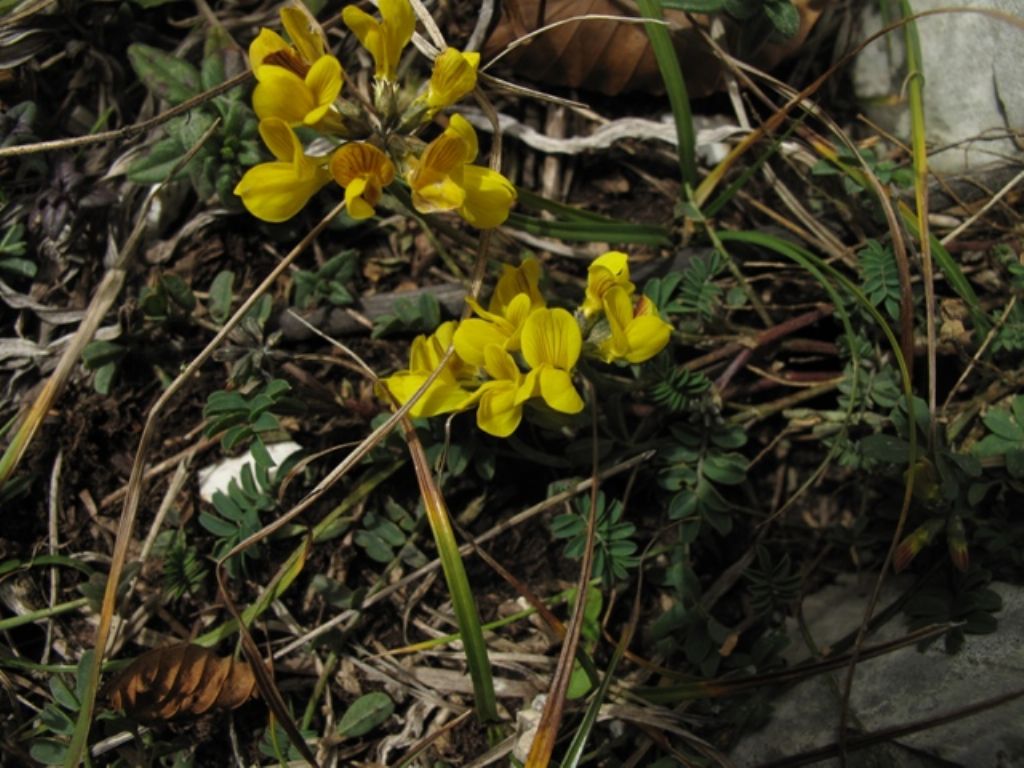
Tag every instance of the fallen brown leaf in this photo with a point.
(615, 57)
(180, 680)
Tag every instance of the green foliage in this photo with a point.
(328, 283)
(881, 277)
(103, 357)
(868, 384)
(185, 571)
(242, 418)
(56, 720)
(698, 292)
(12, 250)
(364, 714)
(781, 14)
(1010, 337)
(886, 171)
(275, 744)
(696, 462)
(662, 290)
(249, 346)
(614, 547)
(773, 585)
(590, 634)
(950, 596)
(420, 316)
(369, 711)
(238, 513)
(220, 162)
(169, 299)
(694, 633)
(221, 296)
(165, 305)
(387, 532)
(1006, 436)
(677, 390)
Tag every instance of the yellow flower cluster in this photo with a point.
(520, 350)
(299, 85)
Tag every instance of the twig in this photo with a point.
(984, 209)
(128, 131)
(483, 21)
(53, 545)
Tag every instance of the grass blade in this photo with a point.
(675, 86)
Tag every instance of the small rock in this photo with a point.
(974, 82)
(903, 687)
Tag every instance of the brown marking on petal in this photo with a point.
(288, 60)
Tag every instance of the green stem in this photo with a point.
(465, 612)
(675, 86)
(43, 613)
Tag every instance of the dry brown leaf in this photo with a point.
(180, 680)
(615, 57)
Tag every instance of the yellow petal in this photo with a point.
(305, 32)
(615, 262)
(453, 76)
(500, 365)
(265, 43)
(280, 139)
(383, 39)
(281, 93)
(551, 337)
(646, 336)
(460, 127)
(274, 192)
(498, 413)
(364, 27)
(358, 206)
(324, 81)
(358, 158)
(440, 397)
(399, 24)
(489, 197)
(443, 195)
(444, 155)
(558, 392)
(516, 280)
(473, 336)
(606, 271)
(618, 310)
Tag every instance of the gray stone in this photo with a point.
(974, 83)
(902, 687)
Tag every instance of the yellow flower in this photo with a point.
(436, 177)
(442, 179)
(284, 94)
(606, 271)
(489, 197)
(296, 83)
(500, 408)
(363, 170)
(278, 190)
(306, 35)
(637, 331)
(386, 38)
(453, 76)
(516, 280)
(447, 393)
(491, 329)
(551, 344)
(515, 297)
